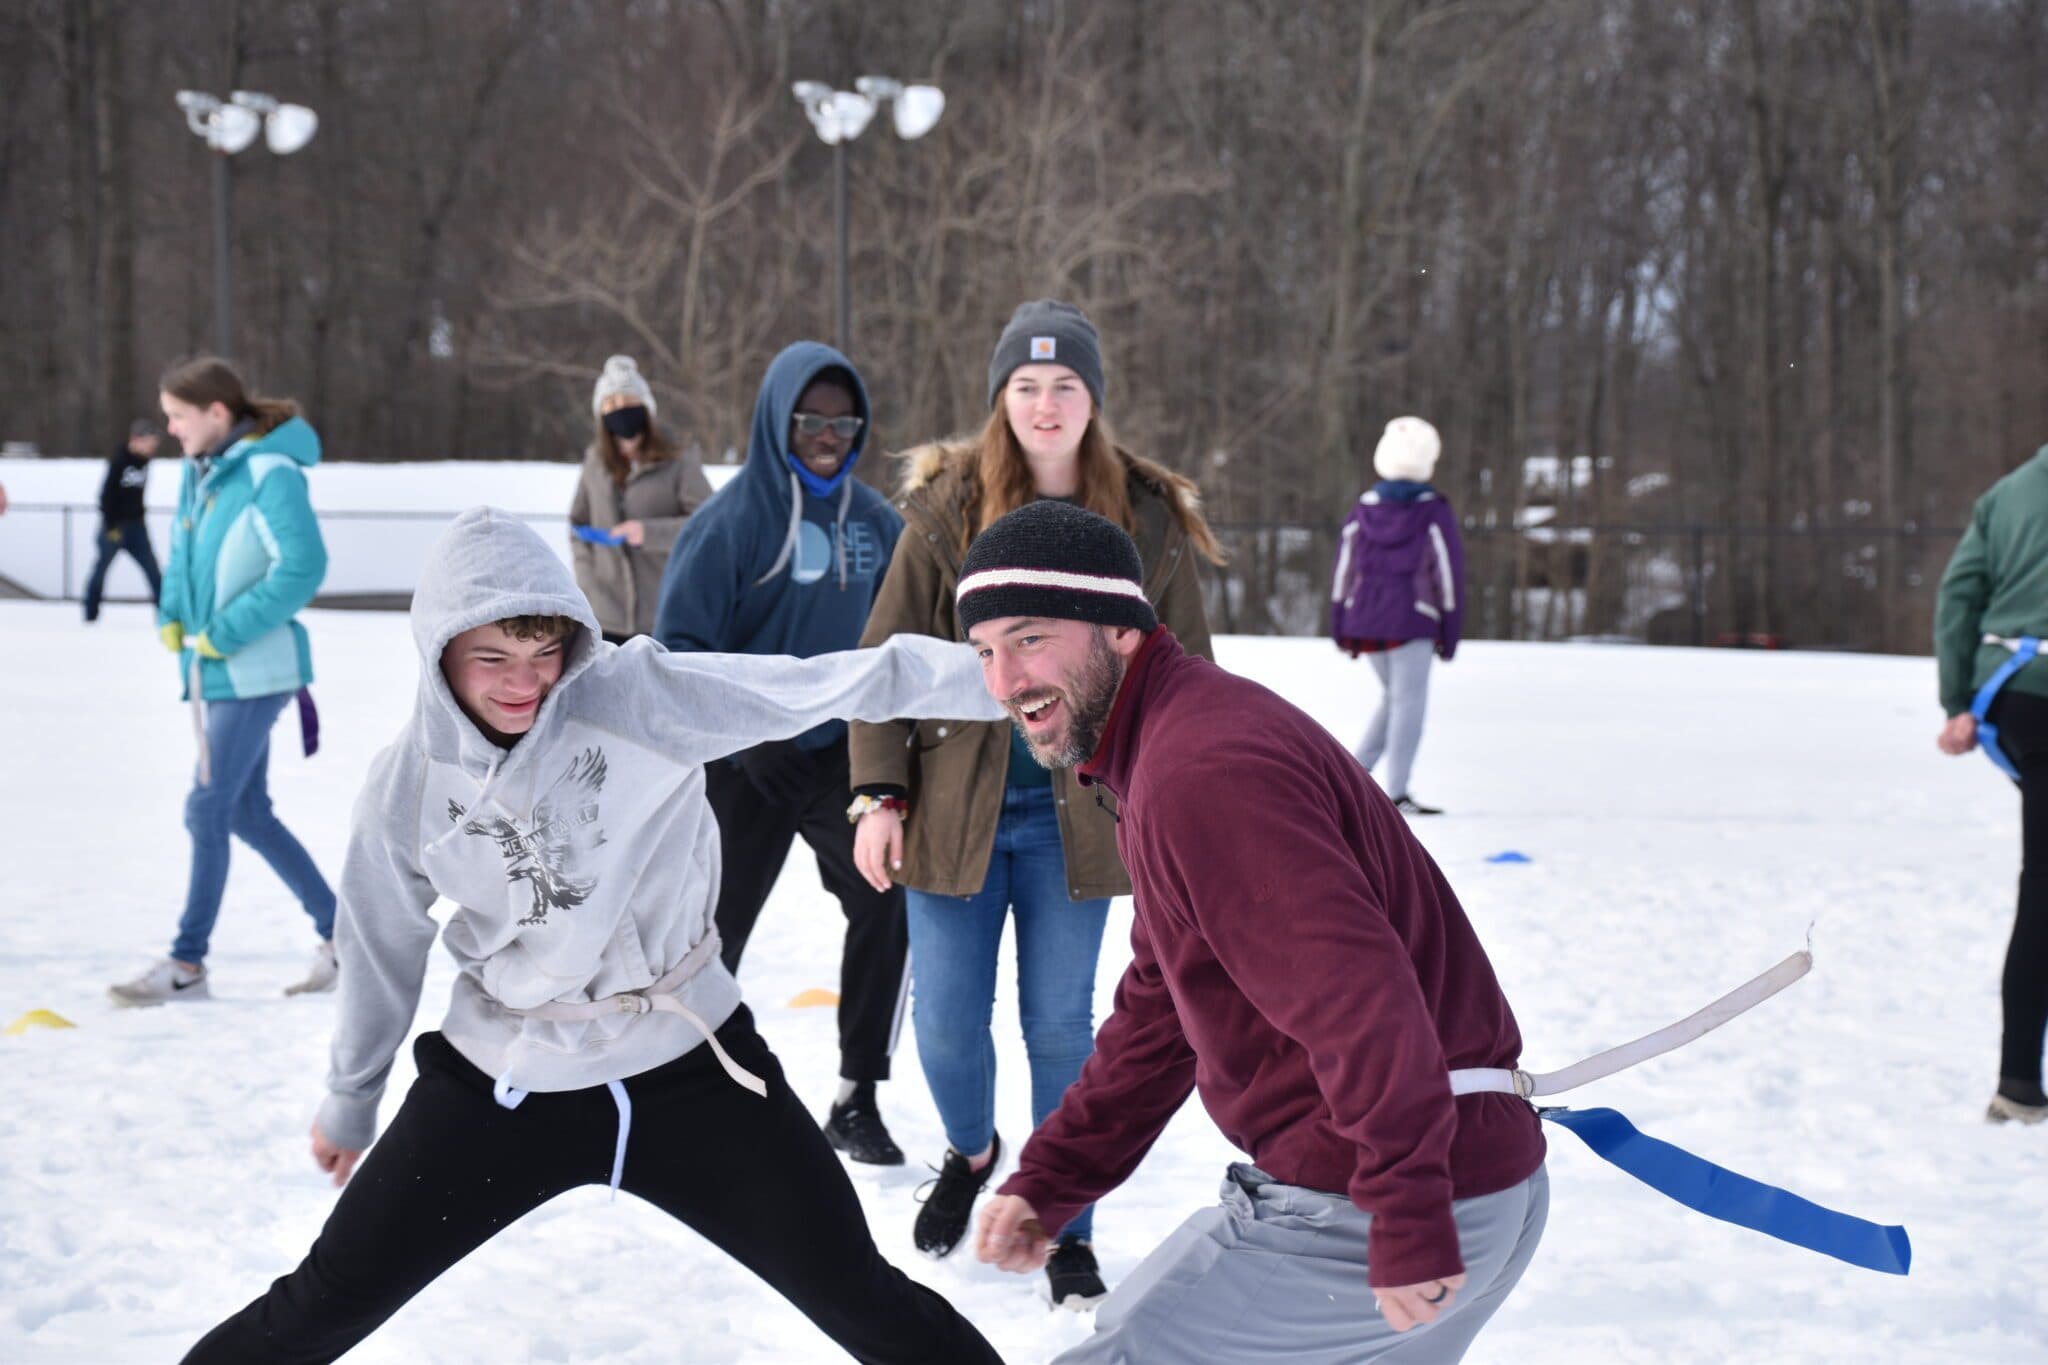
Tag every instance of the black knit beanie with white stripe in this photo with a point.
(1053, 559)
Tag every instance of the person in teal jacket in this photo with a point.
(246, 555)
(1991, 614)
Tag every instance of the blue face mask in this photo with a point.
(626, 423)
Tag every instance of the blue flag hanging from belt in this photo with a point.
(1721, 1193)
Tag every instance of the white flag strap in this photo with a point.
(1747, 996)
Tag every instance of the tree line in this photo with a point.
(1739, 264)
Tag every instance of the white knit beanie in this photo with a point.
(621, 375)
(1408, 450)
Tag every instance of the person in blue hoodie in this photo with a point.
(787, 559)
(1398, 595)
(246, 556)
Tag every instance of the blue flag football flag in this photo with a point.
(597, 535)
(1721, 1193)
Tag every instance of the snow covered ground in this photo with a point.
(1687, 814)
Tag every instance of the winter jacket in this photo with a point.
(1299, 959)
(767, 566)
(955, 774)
(623, 582)
(1400, 569)
(121, 491)
(246, 556)
(1996, 584)
(583, 861)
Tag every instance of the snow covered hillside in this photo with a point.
(1687, 814)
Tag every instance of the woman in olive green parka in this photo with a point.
(961, 814)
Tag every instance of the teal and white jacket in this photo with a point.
(246, 555)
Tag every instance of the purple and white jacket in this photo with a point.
(1400, 569)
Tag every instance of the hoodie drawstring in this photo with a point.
(796, 521)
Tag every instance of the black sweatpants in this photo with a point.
(2022, 721)
(755, 831)
(754, 1176)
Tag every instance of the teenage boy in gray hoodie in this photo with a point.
(551, 786)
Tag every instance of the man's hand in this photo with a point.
(1959, 736)
(340, 1162)
(1410, 1304)
(632, 532)
(1011, 1236)
(878, 847)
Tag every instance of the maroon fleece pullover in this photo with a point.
(1299, 959)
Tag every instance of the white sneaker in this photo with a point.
(164, 981)
(320, 972)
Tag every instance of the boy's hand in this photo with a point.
(1410, 1304)
(878, 847)
(1011, 1236)
(340, 1162)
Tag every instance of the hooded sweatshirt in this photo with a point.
(584, 860)
(1400, 569)
(246, 556)
(779, 562)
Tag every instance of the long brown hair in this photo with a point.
(207, 379)
(1002, 483)
(655, 445)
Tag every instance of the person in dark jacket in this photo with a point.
(787, 559)
(1298, 958)
(1398, 595)
(121, 523)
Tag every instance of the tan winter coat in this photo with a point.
(623, 582)
(954, 772)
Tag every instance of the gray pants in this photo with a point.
(1396, 728)
(1277, 1273)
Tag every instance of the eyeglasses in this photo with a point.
(811, 424)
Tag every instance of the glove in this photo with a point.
(205, 647)
(173, 636)
(779, 771)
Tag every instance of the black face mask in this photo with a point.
(626, 423)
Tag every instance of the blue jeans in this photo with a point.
(953, 946)
(237, 802)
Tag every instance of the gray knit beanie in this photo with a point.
(1047, 332)
(621, 375)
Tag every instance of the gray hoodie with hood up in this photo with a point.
(583, 861)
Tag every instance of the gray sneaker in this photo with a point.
(164, 981)
(320, 972)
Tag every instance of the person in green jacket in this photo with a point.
(1991, 612)
(246, 555)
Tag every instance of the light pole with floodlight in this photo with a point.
(228, 127)
(840, 116)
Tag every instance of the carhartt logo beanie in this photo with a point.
(1052, 559)
(1048, 332)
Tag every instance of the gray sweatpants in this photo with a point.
(1396, 728)
(1277, 1273)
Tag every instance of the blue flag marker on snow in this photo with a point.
(1510, 857)
(1721, 1193)
(597, 535)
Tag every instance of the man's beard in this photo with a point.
(1089, 693)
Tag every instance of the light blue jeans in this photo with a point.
(954, 942)
(237, 802)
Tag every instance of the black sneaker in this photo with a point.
(1408, 805)
(1075, 1278)
(949, 1201)
(856, 1129)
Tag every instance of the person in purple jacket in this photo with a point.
(1398, 595)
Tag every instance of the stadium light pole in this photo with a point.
(227, 127)
(840, 116)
